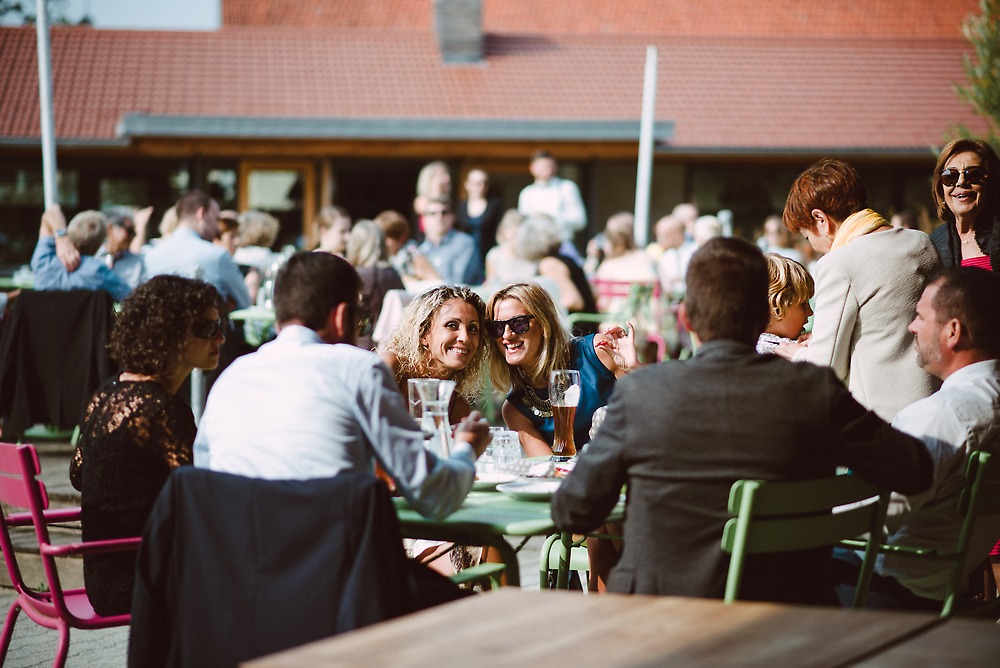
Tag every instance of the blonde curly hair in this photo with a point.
(790, 284)
(418, 316)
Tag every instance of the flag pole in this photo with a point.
(45, 106)
(644, 173)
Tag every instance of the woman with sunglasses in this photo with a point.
(529, 341)
(438, 336)
(966, 190)
(135, 429)
(867, 287)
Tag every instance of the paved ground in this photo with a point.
(33, 646)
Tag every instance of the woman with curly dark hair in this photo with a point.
(135, 429)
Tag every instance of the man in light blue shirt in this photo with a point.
(83, 236)
(452, 253)
(189, 250)
(310, 405)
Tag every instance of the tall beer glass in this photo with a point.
(564, 396)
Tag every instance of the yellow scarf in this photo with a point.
(857, 225)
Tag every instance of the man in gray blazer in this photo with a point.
(680, 434)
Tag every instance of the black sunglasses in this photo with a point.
(365, 326)
(974, 176)
(207, 329)
(519, 324)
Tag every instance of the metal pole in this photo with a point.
(644, 175)
(45, 106)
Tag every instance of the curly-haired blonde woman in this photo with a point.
(136, 430)
(439, 336)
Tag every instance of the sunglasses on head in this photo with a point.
(974, 176)
(519, 324)
(207, 329)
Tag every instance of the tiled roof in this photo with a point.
(723, 93)
(801, 18)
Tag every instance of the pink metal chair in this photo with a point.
(56, 608)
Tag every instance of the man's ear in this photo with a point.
(954, 335)
(340, 321)
(682, 316)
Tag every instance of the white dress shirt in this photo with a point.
(299, 408)
(964, 415)
(557, 198)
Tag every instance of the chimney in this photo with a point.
(459, 27)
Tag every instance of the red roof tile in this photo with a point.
(726, 94)
(803, 18)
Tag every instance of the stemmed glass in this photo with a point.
(564, 396)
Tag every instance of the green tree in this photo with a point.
(983, 67)
(23, 11)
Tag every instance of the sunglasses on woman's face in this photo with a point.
(207, 329)
(974, 176)
(519, 324)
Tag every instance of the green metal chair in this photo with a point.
(784, 516)
(553, 550)
(980, 497)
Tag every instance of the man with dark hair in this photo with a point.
(680, 434)
(189, 251)
(311, 405)
(957, 330)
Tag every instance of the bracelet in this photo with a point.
(59, 234)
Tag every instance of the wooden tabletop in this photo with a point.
(956, 642)
(512, 627)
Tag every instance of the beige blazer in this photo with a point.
(866, 295)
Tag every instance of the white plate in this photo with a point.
(488, 481)
(530, 490)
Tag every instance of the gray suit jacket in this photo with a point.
(680, 434)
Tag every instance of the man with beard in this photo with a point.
(957, 336)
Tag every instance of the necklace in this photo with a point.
(540, 407)
(969, 238)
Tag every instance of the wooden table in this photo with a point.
(956, 642)
(524, 628)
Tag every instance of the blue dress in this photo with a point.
(596, 384)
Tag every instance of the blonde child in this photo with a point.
(788, 297)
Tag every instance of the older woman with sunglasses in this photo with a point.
(867, 287)
(529, 341)
(438, 336)
(135, 429)
(966, 190)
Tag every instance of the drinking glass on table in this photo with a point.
(435, 398)
(564, 396)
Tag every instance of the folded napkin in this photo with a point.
(541, 470)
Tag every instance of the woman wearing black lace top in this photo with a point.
(135, 429)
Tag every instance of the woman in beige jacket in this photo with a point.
(867, 287)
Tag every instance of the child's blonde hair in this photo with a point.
(790, 284)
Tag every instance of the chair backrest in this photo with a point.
(980, 497)
(21, 488)
(786, 516)
(53, 355)
(232, 568)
